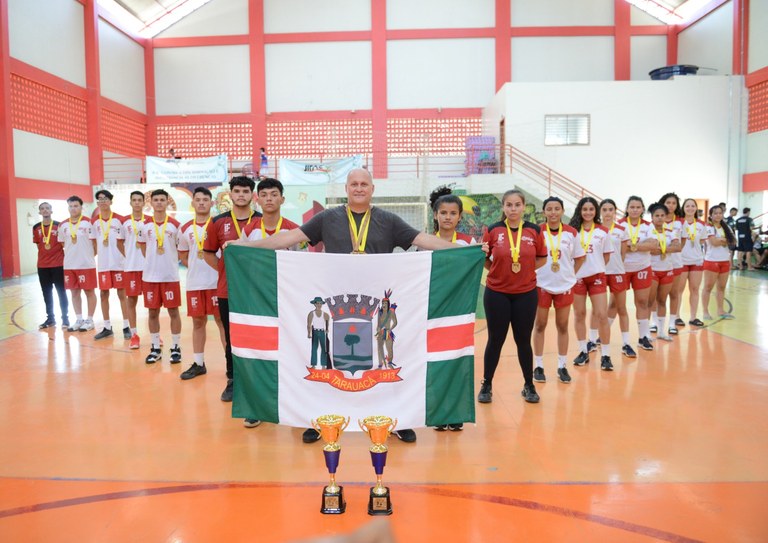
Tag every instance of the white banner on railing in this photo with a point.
(195, 170)
(303, 173)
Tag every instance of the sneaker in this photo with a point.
(310, 435)
(538, 375)
(645, 343)
(193, 371)
(664, 337)
(105, 333)
(485, 395)
(591, 347)
(406, 435)
(529, 394)
(581, 359)
(562, 375)
(628, 351)
(251, 423)
(87, 326)
(76, 326)
(135, 342)
(441, 428)
(672, 331)
(127, 333)
(226, 396)
(605, 363)
(653, 329)
(598, 341)
(47, 324)
(155, 355)
(696, 322)
(456, 427)
(175, 354)
(679, 322)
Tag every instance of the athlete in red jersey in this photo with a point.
(50, 265)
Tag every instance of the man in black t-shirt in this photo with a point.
(743, 230)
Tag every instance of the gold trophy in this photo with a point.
(330, 428)
(378, 429)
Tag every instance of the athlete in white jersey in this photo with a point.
(76, 234)
(694, 239)
(663, 267)
(134, 262)
(717, 262)
(201, 281)
(159, 240)
(672, 222)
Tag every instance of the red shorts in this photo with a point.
(132, 282)
(594, 284)
(717, 267)
(111, 279)
(84, 279)
(617, 282)
(547, 299)
(202, 302)
(640, 279)
(157, 295)
(677, 271)
(692, 268)
(664, 277)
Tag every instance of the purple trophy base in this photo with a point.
(379, 460)
(332, 460)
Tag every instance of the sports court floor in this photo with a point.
(673, 446)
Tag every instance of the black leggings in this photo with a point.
(501, 310)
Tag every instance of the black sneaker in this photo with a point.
(679, 322)
(226, 396)
(605, 363)
(598, 341)
(175, 355)
(538, 375)
(441, 428)
(581, 359)
(47, 324)
(696, 322)
(127, 333)
(105, 333)
(591, 347)
(485, 395)
(628, 351)
(562, 375)
(155, 355)
(193, 371)
(653, 329)
(251, 423)
(310, 435)
(529, 394)
(456, 427)
(406, 436)
(645, 343)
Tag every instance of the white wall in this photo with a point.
(313, 16)
(440, 14)
(647, 137)
(41, 157)
(561, 12)
(757, 152)
(216, 18)
(121, 67)
(758, 37)
(562, 59)
(202, 80)
(709, 42)
(49, 35)
(647, 53)
(440, 73)
(638, 17)
(318, 76)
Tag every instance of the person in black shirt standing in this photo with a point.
(744, 244)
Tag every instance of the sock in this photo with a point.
(90, 318)
(642, 327)
(79, 317)
(583, 345)
(176, 339)
(539, 361)
(662, 321)
(198, 358)
(561, 361)
(593, 335)
(134, 332)
(107, 324)
(605, 348)
(125, 323)
(625, 338)
(655, 318)
(610, 320)
(155, 340)
(672, 319)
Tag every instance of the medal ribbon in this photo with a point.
(160, 237)
(633, 235)
(691, 233)
(105, 229)
(589, 239)
(73, 231)
(453, 239)
(47, 238)
(264, 228)
(514, 249)
(555, 251)
(135, 229)
(662, 240)
(199, 241)
(237, 225)
(359, 238)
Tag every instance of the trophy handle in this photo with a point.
(363, 427)
(392, 427)
(314, 424)
(346, 423)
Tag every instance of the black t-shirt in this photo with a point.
(386, 231)
(744, 226)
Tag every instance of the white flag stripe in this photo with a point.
(253, 320)
(254, 353)
(451, 321)
(450, 355)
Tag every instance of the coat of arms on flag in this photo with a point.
(314, 333)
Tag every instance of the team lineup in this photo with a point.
(530, 269)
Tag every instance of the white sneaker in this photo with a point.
(76, 326)
(86, 326)
(664, 337)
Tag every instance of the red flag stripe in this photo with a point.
(260, 338)
(450, 338)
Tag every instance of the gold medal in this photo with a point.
(663, 256)
(516, 267)
(633, 248)
(106, 243)
(359, 237)
(74, 240)
(105, 225)
(555, 247)
(47, 246)
(47, 237)
(200, 254)
(160, 250)
(201, 240)
(555, 267)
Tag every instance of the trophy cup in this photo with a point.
(378, 429)
(330, 428)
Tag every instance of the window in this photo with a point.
(566, 130)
